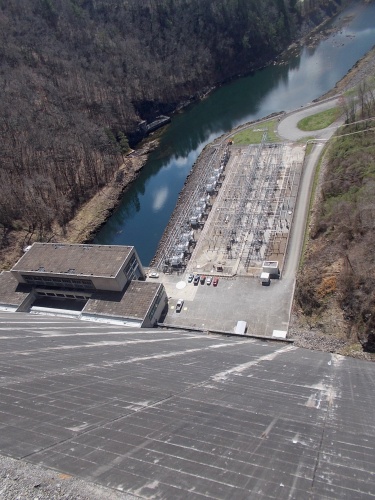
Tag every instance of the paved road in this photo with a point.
(287, 128)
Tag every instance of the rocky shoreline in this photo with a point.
(192, 179)
(362, 69)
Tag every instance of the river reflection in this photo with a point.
(146, 208)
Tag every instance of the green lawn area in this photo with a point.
(254, 134)
(319, 120)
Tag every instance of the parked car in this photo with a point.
(196, 279)
(190, 277)
(179, 305)
(215, 281)
(153, 275)
(203, 279)
(209, 280)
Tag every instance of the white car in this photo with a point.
(179, 305)
(208, 280)
(153, 275)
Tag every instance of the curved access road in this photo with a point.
(288, 129)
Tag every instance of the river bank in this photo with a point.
(362, 69)
(91, 217)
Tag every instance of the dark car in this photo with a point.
(196, 279)
(203, 279)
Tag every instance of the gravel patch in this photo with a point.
(23, 481)
(315, 340)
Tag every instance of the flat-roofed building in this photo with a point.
(141, 304)
(97, 282)
(78, 267)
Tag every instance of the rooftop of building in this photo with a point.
(82, 260)
(134, 303)
(12, 294)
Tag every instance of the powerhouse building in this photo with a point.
(106, 281)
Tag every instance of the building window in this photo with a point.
(61, 283)
(131, 269)
(155, 304)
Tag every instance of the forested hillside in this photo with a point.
(77, 77)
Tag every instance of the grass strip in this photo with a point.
(254, 134)
(319, 120)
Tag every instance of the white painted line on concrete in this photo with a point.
(220, 377)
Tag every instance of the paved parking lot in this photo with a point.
(264, 308)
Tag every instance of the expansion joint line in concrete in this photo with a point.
(320, 451)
